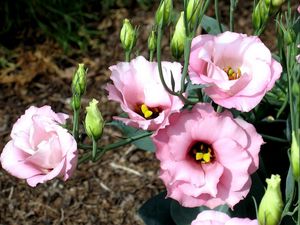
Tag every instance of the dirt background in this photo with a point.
(109, 191)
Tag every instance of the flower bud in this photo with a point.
(79, 80)
(94, 122)
(127, 35)
(177, 42)
(164, 12)
(152, 41)
(289, 36)
(193, 9)
(260, 14)
(271, 205)
(295, 157)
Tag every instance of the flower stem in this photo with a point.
(217, 15)
(94, 150)
(75, 123)
(233, 4)
(127, 56)
(151, 55)
(101, 150)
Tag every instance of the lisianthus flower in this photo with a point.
(212, 217)
(206, 158)
(237, 70)
(40, 148)
(137, 87)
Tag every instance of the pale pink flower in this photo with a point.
(237, 70)
(137, 87)
(212, 217)
(40, 148)
(206, 158)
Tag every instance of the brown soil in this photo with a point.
(106, 192)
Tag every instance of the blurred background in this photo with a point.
(41, 43)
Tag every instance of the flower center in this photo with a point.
(147, 112)
(232, 75)
(202, 153)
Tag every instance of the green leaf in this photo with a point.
(184, 216)
(289, 185)
(156, 211)
(144, 143)
(210, 25)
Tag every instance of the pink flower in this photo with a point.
(41, 148)
(218, 218)
(237, 70)
(207, 158)
(136, 85)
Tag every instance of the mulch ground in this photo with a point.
(111, 190)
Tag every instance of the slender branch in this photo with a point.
(217, 15)
(101, 150)
(75, 124)
(233, 4)
(127, 56)
(271, 138)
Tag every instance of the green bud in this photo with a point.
(289, 36)
(260, 15)
(271, 205)
(295, 157)
(177, 42)
(128, 35)
(152, 41)
(164, 12)
(94, 122)
(79, 81)
(193, 9)
(75, 102)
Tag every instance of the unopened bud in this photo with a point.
(193, 9)
(260, 15)
(289, 36)
(164, 12)
(295, 157)
(271, 205)
(94, 122)
(177, 42)
(128, 35)
(152, 41)
(79, 81)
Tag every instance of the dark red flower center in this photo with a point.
(147, 112)
(202, 153)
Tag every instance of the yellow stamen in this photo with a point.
(232, 75)
(147, 113)
(199, 156)
(206, 157)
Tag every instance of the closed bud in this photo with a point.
(79, 81)
(289, 36)
(152, 41)
(193, 9)
(177, 42)
(295, 157)
(94, 122)
(271, 205)
(164, 12)
(260, 15)
(128, 35)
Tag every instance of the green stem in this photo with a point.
(101, 150)
(158, 56)
(151, 55)
(75, 124)
(219, 109)
(187, 51)
(233, 4)
(94, 150)
(127, 56)
(217, 15)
